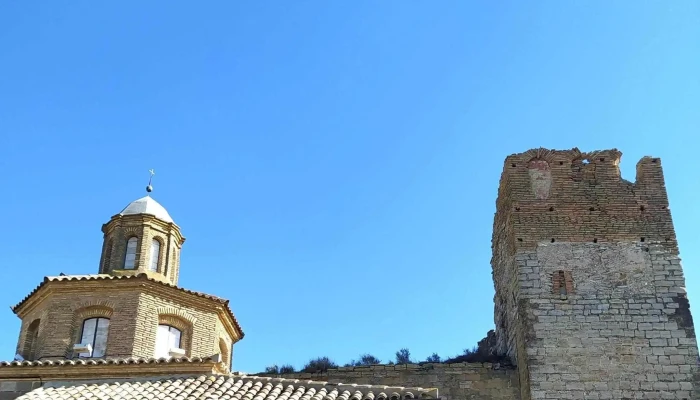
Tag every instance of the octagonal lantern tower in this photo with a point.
(132, 307)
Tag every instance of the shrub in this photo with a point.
(320, 364)
(368, 359)
(433, 358)
(403, 356)
(272, 369)
(287, 369)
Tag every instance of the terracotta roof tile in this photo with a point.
(223, 387)
(137, 276)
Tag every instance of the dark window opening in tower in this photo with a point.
(155, 255)
(562, 283)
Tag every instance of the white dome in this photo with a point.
(146, 205)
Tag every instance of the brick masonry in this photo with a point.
(454, 381)
(135, 308)
(145, 228)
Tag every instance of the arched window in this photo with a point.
(30, 341)
(155, 255)
(94, 333)
(167, 338)
(130, 257)
(225, 354)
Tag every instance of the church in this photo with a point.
(130, 332)
(590, 303)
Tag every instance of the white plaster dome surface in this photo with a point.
(146, 205)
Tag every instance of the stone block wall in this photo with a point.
(483, 381)
(624, 332)
(14, 388)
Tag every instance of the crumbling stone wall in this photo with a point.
(483, 381)
(590, 299)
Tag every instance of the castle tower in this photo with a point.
(132, 307)
(590, 299)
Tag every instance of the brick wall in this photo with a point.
(134, 308)
(145, 228)
(454, 381)
(622, 326)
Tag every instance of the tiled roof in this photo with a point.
(223, 387)
(105, 361)
(143, 276)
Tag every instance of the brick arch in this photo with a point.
(543, 154)
(225, 351)
(176, 312)
(31, 340)
(94, 304)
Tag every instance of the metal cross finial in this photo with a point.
(149, 188)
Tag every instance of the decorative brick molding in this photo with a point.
(177, 312)
(94, 303)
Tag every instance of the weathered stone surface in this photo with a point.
(590, 299)
(484, 381)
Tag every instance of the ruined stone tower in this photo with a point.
(590, 299)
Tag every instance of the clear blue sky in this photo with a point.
(333, 165)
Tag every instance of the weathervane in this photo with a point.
(149, 188)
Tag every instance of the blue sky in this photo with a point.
(333, 165)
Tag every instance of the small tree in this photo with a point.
(367, 359)
(272, 369)
(287, 369)
(403, 356)
(321, 364)
(433, 358)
